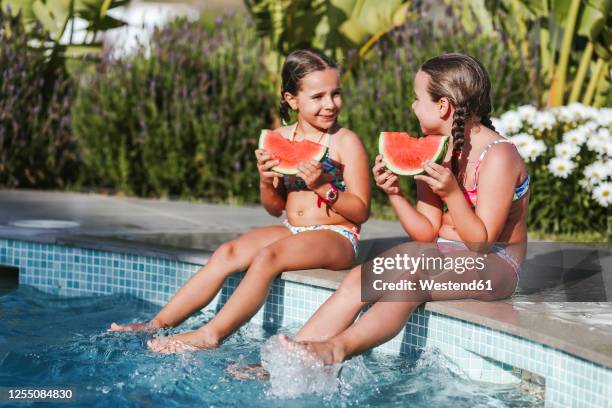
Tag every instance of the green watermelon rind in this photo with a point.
(289, 171)
(438, 157)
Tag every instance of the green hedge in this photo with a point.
(37, 148)
(179, 119)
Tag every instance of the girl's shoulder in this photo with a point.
(285, 131)
(343, 135)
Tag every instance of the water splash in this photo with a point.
(294, 373)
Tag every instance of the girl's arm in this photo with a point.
(421, 223)
(272, 191)
(496, 182)
(354, 203)
(273, 199)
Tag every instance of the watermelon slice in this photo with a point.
(404, 153)
(290, 153)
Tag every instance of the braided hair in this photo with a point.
(465, 83)
(297, 65)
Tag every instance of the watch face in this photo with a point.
(332, 195)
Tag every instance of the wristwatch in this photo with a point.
(330, 196)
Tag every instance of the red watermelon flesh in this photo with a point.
(290, 153)
(404, 153)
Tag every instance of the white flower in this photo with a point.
(511, 122)
(543, 121)
(584, 183)
(583, 112)
(529, 148)
(603, 194)
(597, 143)
(577, 136)
(533, 150)
(604, 133)
(589, 127)
(566, 114)
(566, 150)
(596, 172)
(561, 166)
(608, 149)
(604, 118)
(526, 112)
(522, 139)
(499, 126)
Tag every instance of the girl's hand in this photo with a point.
(384, 178)
(312, 174)
(265, 162)
(440, 179)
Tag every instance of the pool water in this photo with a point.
(47, 340)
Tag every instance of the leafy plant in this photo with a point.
(574, 37)
(36, 144)
(181, 118)
(333, 26)
(56, 22)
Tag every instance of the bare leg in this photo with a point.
(338, 312)
(306, 250)
(385, 320)
(342, 307)
(201, 288)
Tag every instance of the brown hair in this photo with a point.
(465, 83)
(297, 65)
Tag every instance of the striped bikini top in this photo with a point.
(472, 195)
(293, 183)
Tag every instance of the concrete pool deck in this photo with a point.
(190, 231)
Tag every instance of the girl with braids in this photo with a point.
(482, 182)
(325, 205)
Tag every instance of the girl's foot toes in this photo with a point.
(313, 352)
(188, 341)
(127, 327)
(168, 345)
(149, 327)
(248, 372)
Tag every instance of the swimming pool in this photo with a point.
(432, 362)
(57, 341)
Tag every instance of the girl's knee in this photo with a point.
(352, 282)
(267, 257)
(226, 251)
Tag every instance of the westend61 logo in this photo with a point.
(412, 264)
(411, 271)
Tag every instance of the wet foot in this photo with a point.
(313, 352)
(189, 341)
(150, 326)
(248, 372)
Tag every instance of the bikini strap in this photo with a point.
(294, 132)
(482, 156)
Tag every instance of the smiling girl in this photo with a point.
(313, 235)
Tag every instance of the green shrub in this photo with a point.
(181, 118)
(36, 145)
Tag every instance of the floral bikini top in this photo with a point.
(472, 195)
(294, 183)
